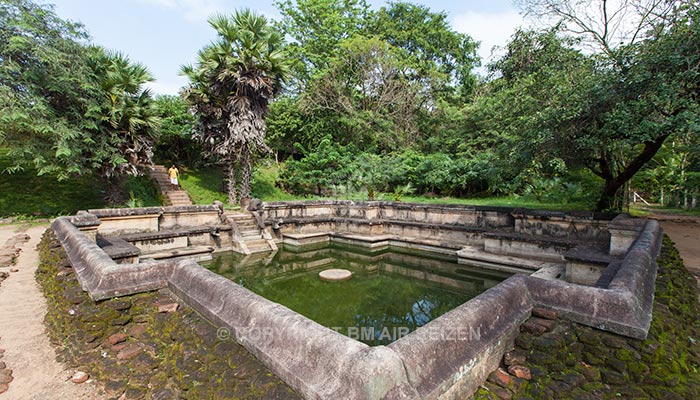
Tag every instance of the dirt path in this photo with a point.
(685, 232)
(37, 375)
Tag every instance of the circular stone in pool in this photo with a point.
(335, 275)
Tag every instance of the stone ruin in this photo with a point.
(595, 269)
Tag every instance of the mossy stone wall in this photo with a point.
(573, 361)
(140, 348)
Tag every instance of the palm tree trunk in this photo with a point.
(246, 161)
(231, 180)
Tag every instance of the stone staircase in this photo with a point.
(248, 236)
(172, 197)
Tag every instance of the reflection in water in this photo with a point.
(392, 292)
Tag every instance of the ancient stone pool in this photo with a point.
(594, 269)
(392, 292)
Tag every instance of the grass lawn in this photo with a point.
(24, 194)
(642, 210)
(204, 187)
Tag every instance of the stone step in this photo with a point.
(259, 249)
(256, 242)
(179, 252)
(240, 216)
(473, 255)
(247, 226)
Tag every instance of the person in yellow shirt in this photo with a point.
(174, 174)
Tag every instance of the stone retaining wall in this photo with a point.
(320, 363)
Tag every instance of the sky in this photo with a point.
(166, 34)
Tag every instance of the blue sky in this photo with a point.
(166, 34)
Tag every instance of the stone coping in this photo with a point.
(550, 241)
(364, 221)
(516, 211)
(320, 363)
(589, 255)
(170, 233)
(392, 240)
(124, 212)
(116, 247)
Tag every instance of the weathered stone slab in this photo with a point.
(452, 355)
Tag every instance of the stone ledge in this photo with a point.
(171, 233)
(117, 248)
(124, 212)
(303, 353)
(625, 306)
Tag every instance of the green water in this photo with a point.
(392, 291)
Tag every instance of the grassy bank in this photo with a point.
(204, 187)
(23, 194)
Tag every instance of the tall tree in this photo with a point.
(365, 90)
(317, 27)
(612, 111)
(230, 89)
(46, 87)
(128, 118)
(175, 143)
(69, 108)
(435, 55)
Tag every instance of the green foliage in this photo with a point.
(203, 185)
(609, 112)
(45, 89)
(264, 184)
(326, 167)
(435, 54)
(69, 108)
(401, 191)
(143, 192)
(317, 28)
(175, 143)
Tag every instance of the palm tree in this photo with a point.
(128, 119)
(230, 88)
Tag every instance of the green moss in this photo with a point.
(664, 366)
(176, 349)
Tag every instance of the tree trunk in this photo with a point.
(231, 180)
(114, 194)
(614, 183)
(245, 173)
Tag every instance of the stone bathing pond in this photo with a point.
(392, 292)
(436, 297)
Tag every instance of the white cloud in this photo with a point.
(192, 10)
(491, 29)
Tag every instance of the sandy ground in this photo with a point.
(37, 375)
(685, 232)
